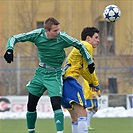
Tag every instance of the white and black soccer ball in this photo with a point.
(112, 13)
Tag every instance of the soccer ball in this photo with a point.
(112, 13)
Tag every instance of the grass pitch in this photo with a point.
(101, 125)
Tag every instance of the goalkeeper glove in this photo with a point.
(9, 56)
(91, 67)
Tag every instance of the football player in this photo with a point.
(50, 43)
(76, 66)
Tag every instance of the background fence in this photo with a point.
(115, 74)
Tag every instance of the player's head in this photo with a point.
(88, 31)
(90, 34)
(52, 27)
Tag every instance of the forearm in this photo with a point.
(11, 43)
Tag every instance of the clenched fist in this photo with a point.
(9, 56)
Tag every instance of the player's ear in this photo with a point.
(88, 38)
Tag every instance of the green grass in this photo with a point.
(101, 125)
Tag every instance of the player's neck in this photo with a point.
(46, 35)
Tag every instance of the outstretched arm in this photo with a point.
(29, 36)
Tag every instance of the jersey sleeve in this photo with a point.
(91, 78)
(23, 37)
(77, 44)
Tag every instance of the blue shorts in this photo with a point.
(92, 103)
(72, 92)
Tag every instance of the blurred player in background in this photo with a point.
(91, 100)
(50, 43)
(73, 96)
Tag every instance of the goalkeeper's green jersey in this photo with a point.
(50, 51)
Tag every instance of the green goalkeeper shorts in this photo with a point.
(46, 79)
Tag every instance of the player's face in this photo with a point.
(53, 32)
(94, 40)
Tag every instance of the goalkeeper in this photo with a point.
(73, 97)
(50, 43)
